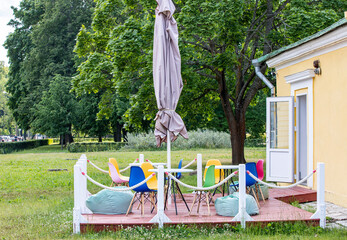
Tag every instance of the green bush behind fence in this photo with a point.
(8, 147)
(95, 147)
(206, 139)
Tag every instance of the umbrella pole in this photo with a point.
(168, 141)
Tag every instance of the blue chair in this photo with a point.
(252, 168)
(136, 176)
(179, 175)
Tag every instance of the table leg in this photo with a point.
(231, 171)
(173, 189)
(166, 196)
(179, 190)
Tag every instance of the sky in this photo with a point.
(5, 17)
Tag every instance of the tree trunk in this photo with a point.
(61, 141)
(238, 139)
(68, 138)
(125, 135)
(100, 139)
(236, 122)
(117, 134)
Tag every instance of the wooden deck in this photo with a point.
(271, 210)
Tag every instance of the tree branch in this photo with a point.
(197, 44)
(206, 75)
(206, 91)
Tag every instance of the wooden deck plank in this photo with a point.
(272, 210)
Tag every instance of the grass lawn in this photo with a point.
(37, 204)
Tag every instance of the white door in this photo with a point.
(280, 139)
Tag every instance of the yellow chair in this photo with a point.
(151, 183)
(115, 164)
(218, 173)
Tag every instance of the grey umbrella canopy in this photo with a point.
(167, 77)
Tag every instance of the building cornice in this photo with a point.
(324, 44)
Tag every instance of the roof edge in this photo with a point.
(332, 27)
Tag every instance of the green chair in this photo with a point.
(209, 181)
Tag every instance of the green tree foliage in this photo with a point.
(40, 48)
(218, 40)
(89, 122)
(7, 123)
(19, 45)
(56, 112)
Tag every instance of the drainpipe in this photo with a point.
(256, 64)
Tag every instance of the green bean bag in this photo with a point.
(229, 205)
(110, 202)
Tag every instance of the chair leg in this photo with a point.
(191, 208)
(256, 198)
(256, 190)
(142, 204)
(261, 192)
(131, 204)
(153, 202)
(166, 192)
(200, 195)
(208, 202)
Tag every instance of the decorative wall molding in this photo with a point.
(299, 76)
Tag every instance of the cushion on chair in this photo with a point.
(110, 202)
(229, 205)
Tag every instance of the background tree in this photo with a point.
(19, 45)
(56, 112)
(40, 48)
(97, 70)
(89, 122)
(7, 123)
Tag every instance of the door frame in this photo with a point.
(304, 80)
(297, 137)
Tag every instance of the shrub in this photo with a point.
(91, 139)
(94, 147)
(197, 139)
(8, 147)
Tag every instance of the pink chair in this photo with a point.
(115, 176)
(260, 169)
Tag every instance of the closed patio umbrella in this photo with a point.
(167, 75)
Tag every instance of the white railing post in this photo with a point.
(83, 186)
(321, 207)
(199, 170)
(242, 215)
(77, 208)
(80, 194)
(160, 217)
(141, 158)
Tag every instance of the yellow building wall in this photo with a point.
(329, 118)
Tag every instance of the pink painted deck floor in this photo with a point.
(271, 210)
